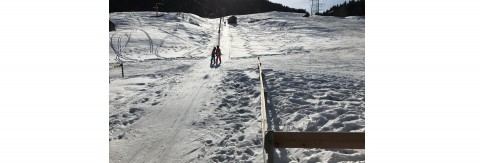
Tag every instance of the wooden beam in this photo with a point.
(325, 140)
(263, 111)
(263, 103)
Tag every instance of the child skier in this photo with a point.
(212, 61)
(219, 55)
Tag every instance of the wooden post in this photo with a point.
(156, 8)
(269, 146)
(121, 65)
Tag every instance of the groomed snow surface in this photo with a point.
(173, 106)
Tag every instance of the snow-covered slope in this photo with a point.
(172, 106)
(141, 36)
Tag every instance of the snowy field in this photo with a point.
(172, 106)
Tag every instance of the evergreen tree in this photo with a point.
(352, 8)
(204, 8)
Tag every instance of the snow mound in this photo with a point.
(141, 36)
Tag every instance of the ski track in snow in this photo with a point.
(173, 107)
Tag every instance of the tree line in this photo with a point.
(203, 8)
(352, 8)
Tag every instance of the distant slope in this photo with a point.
(203, 8)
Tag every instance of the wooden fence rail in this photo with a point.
(263, 105)
(326, 140)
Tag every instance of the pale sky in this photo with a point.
(305, 4)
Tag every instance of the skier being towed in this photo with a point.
(212, 61)
(219, 55)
